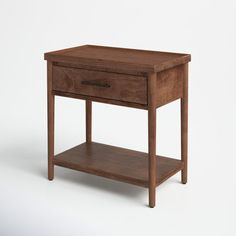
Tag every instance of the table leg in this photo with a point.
(88, 121)
(184, 126)
(152, 139)
(51, 101)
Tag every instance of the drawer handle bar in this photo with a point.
(94, 83)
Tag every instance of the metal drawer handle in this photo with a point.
(94, 83)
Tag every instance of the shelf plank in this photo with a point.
(116, 163)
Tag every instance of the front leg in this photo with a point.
(51, 101)
(152, 138)
(184, 126)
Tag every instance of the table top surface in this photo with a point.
(111, 57)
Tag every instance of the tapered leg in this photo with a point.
(51, 101)
(152, 139)
(88, 121)
(184, 126)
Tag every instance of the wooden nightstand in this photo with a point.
(127, 77)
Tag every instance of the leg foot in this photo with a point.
(183, 177)
(51, 173)
(152, 197)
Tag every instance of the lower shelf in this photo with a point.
(116, 163)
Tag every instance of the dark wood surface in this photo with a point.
(117, 163)
(169, 85)
(50, 106)
(115, 86)
(184, 125)
(88, 120)
(152, 94)
(118, 59)
(102, 100)
(128, 77)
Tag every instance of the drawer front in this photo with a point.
(114, 86)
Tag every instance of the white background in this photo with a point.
(76, 203)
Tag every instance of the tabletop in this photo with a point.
(118, 58)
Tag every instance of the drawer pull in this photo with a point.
(94, 83)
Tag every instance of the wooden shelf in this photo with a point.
(116, 163)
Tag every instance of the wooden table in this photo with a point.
(127, 77)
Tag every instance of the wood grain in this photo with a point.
(50, 100)
(184, 126)
(152, 79)
(116, 163)
(120, 87)
(169, 85)
(118, 59)
(102, 100)
(127, 77)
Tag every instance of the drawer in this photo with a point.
(108, 85)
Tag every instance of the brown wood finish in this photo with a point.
(169, 85)
(118, 59)
(152, 79)
(102, 100)
(117, 163)
(50, 98)
(88, 105)
(184, 125)
(99, 68)
(120, 87)
(127, 77)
